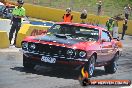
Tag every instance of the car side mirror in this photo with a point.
(103, 40)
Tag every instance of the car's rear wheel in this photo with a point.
(27, 63)
(112, 67)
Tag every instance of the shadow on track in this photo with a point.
(56, 72)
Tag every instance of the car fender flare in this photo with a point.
(92, 53)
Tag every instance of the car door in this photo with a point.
(107, 48)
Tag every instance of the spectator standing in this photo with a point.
(99, 4)
(124, 28)
(18, 13)
(127, 11)
(68, 17)
(110, 25)
(83, 16)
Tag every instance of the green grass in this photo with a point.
(110, 7)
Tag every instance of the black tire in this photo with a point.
(87, 67)
(112, 67)
(27, 63)
(85, 82)
(90, 66)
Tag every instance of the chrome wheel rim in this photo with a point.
(115, 65)
(91, 67)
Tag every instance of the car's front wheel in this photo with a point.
(27, 63)
(112, 67)
(90, 66)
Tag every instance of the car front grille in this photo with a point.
(49, 50)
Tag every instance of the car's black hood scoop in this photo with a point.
(58, 38)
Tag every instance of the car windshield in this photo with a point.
(76, 32)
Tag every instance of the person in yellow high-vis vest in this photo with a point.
(110, 25)
(18, 13)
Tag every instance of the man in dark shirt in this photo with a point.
(83, 16)
(124, 28)
(18, 13)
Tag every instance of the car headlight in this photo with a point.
(82, 54)
(32, 46)
(70, 52)
(24, 45)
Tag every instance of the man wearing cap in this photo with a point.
(124, 28)
(99, 7)
(18, 13)
(110, 24)
(68, 16)
(83, 16)
(127, 11)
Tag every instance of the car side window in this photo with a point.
(105, 35)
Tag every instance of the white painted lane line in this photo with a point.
(127, 86)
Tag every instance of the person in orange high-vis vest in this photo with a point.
(68, 16)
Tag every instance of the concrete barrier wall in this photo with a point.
(30, 30)
(5, 25)
(43, 12)
(4, 40)
(56, 15)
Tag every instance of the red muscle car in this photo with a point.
(72, 45)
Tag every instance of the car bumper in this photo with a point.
(70, 63)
